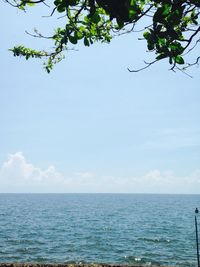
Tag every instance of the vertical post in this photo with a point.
(197, 237)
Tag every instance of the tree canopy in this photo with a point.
(171, 29)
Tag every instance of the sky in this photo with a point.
(90, 126)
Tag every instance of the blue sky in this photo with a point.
(90, 125)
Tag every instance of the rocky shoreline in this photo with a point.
(69, 265)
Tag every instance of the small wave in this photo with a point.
(155, 240)
(140, 260)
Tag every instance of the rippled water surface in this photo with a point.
(108, 228)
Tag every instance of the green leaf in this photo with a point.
(61, 8)
(86, 42)
(150, 46)
(78, 35)
(120, 23)
(146, 35)
(57, 2)
(176, 48)
(71, 2)
(31, 4)
(22, 7)
(73, 39)
(161, 56)
(132, 14)
(95, 18)
(179, 60)
(166, 10)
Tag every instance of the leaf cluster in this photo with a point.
(173, 30)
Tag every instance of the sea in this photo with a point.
(99, 228)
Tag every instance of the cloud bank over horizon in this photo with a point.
(17, 175)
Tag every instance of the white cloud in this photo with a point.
(17, 175)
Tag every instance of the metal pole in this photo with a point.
(197, 237)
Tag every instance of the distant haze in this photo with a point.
(19, 175)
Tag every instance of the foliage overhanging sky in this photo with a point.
(91, 126)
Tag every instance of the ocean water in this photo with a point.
(98, 228)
